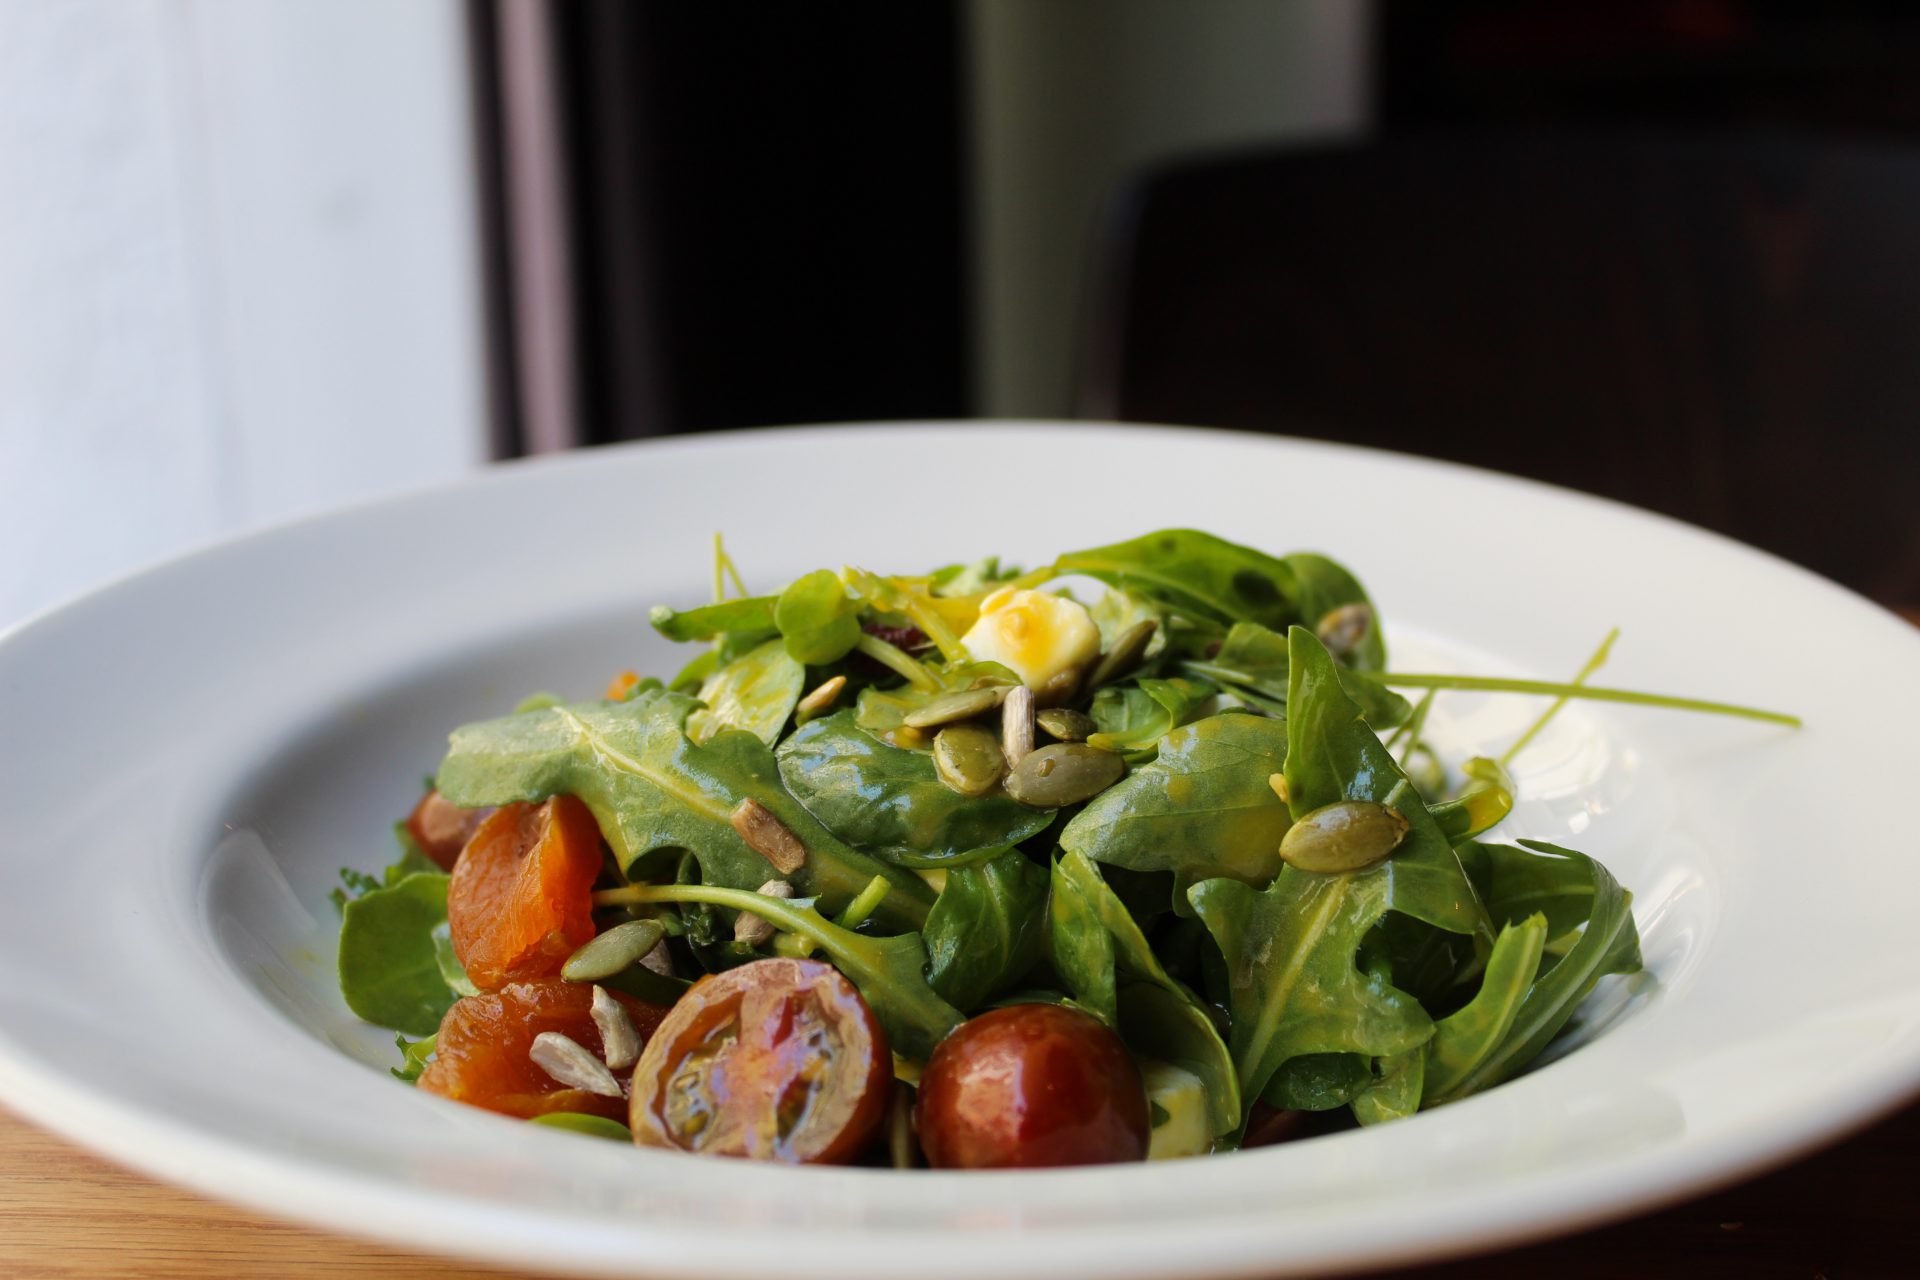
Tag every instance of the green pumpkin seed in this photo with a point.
(1347, 835)
(613, 951)
(1066, 724)
(968, 758)
(1063, 773)
(1128, 648)
(951, 707)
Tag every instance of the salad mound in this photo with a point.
(983, 868)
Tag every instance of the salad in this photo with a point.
(1138, 854)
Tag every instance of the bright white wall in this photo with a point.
(238, 271)
(1071, 96)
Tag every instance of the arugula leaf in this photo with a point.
(1134, 717)
(1197, 575)
(452, 972)
(1159, 1015)
(1252, 664)
(389, 973)
(890, 801)
(1318, 1082)
(1294, 986)
(1609, 944)
(582, 1123)
(1465, 1038)
(1395, 1091)
(754, 613)
(1081, 948)
(1203, 808)
(1480, 807)
(1516, 883)
(650, 786)
(1325, 585)
(890, 972)
(756, 692)
(987, 929)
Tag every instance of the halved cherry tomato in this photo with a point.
(521, 899)
(775, 1060)
(442, 828)
(481, 1055)
(1031, 1086)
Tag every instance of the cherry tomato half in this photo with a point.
(521, 898)
(481, 1055)
(442, 828)
(775, 1060)
(1032, 1086)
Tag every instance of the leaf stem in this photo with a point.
(1551, 689)
(1598, 660)
(899, 662)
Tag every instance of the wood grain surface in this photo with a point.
(1841, 1215)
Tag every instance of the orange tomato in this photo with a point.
(521, 899)
(621, 685)
(481, 1055)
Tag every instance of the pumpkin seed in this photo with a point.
(1347, 835)
(1343, 629)
(1128, 648)
(968, 758)
(613, 951)
(1016, 725)
(950, 707)
(1063, 773)
(767, 836)
(1066, 724)
(1059, 688)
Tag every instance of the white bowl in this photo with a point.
(188, 756)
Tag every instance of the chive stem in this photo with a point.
(1598, 660)
(899, 662)
(1551, 689)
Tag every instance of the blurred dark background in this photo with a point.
(1658, 249)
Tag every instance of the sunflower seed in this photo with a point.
(820, 701)
(618, 1036)
(1016, 725)
(750, 928)
(569, 1063)
(767, 836)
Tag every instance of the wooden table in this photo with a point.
(1841, 1214)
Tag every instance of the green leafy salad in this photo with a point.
(1138, 854)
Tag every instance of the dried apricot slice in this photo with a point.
(481, 1057)
(521, 899)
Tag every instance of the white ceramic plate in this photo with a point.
(188, 756)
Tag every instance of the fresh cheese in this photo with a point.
(1182, 1103)
(1035, 634)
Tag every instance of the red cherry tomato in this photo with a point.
(481, 1057)
(521, 898)
(1032, 1086)
(442, 828)
(775, 1060)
